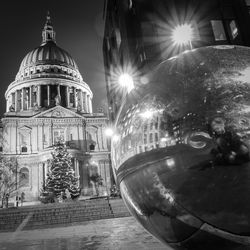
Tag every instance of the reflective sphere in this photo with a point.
(181, 150)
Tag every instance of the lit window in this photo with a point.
(24, 177)
(218, 30)
(234, 29)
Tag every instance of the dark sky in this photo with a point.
(79, 30)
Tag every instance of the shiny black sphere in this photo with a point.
(181, 152)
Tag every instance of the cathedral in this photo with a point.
(48, 101)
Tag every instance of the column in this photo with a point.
(39, 95)
(87, 103)
(67, 93)
(81, 102)
(16, 101)
(48, 94)
(84, 101)
(90, 105)
(76, 167)
(58, 90)
(8, 104)
(45, 165)
(22, 98)
(76, 97)
(30, 104)
(75, 101)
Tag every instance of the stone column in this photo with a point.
(87, 104)
(22, 98)
(8, 104)
(76, 167)
(81, 102)
(16, 101)
(90, 105)
(75, 99)
(39, 95)
(45, 165)
(67, 93)
(30, 100)
(48, 94)
(58, 90)
(84, 101)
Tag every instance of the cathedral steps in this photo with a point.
(49, 215)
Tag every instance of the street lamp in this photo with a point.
(183, 34)
(126, 81)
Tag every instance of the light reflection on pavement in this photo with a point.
(114, 234)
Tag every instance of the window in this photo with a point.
(145, 138)
(247, 2)
(24, 177)
(24, 149)
(58, 135)
(151, 125)
(151, 138)
(91, 147)
(156, 137)
(218, 30)
(1, 149)
(234, 29)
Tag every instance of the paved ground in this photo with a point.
(113, 234)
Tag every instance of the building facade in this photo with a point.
(47, 101)
(138, 34)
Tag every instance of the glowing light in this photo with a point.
(126, 81)
(164, 139)
(147, 114)
(182, 34)
(109, 132)
(170, 162)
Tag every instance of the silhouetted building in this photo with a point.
(138, 34)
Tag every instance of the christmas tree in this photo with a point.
(61, 175)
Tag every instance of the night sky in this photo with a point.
(79, 31)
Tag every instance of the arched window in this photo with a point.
(24, 177)
(24, 149)
(92, 147)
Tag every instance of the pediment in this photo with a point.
(25, 128)
(58, 112)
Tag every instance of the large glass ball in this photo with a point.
(181, 150)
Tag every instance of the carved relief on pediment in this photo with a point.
(57, 113)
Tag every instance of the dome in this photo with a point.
(48, 53)
(48, 60)
(48, 76)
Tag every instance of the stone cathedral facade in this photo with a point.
(47, 101)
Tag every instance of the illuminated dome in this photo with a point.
(48, 58)
(48, 76)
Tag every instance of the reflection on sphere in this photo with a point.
(181, 150)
